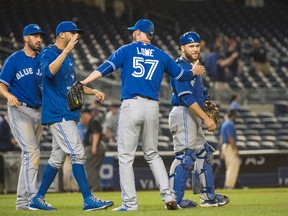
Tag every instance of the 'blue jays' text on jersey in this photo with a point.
(142, 68)
(194, 88)
(228, 129)
(55, 88)
(23, 77)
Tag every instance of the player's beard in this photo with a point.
(35, 47)
(192, 58)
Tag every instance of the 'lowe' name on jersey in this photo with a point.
(145, 52)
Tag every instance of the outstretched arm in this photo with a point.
(100, 95)
(93, 76)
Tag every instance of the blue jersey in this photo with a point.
(142, 68)
(228, 129)
(55, 87)
(194, 88)
(22, 75)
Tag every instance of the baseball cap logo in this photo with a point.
(37, 27)
(33, 29)
(191, 39)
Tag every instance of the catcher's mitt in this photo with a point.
(75, 96)
(211, 109)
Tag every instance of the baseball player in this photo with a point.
(20, 84)
(58, 76)
(142, 66)
(190, 146)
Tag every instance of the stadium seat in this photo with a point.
(274, 126)
(281, 108)
(163, 143)
(165, 131)
(241, 145)
(252, 145)
(269, 138)
(256, 126)
(254, 138)
(213, 141)
(251, 132)
(282, 144)
(281, 132)
(268, 145)
(267, 132)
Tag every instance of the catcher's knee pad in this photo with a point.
(203, 168)
(189, 159)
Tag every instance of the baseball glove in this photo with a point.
(211, 109)
(75, 96)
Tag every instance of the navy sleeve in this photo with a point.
(188, 99)
(47, 58)
(114, 62)
(8, 72)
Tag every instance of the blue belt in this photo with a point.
(32, 107)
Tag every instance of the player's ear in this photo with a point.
(182, 48)
(61, 35)
(25, 38)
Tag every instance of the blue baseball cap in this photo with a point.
(32, 29)
(189, 37)
(67, 26)
(143, 25)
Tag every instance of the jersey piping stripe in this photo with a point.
(25, 152)
(185, 127)
(112, 64)
(184, 92)
(180, 75)
(6, 83)
(73, 159)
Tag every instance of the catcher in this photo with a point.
(193, 154)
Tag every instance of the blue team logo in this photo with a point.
(191, 39)
(37, 27)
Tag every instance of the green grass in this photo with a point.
(262, 202)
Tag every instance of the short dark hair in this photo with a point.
(232, 112)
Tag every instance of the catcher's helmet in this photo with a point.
(189, 37)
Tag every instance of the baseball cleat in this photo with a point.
(187, 204)
(220, 200)
(169, 199)
(125, 208)
(172, 205)
(39, 203)
(91, 203)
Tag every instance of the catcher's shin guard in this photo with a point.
(179, 172)
(203, 168)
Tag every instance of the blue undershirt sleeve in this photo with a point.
(188, 99)
(187, 76)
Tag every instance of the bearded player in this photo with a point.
(190, 146)
(20, 84)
